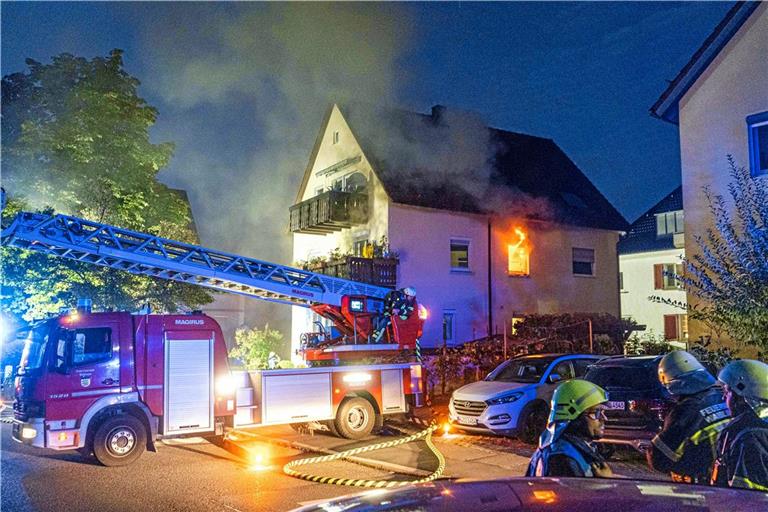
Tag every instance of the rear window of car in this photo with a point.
(624, 377)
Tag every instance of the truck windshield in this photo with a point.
(34, 348)
(522, 370)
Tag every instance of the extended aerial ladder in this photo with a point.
(352, 306)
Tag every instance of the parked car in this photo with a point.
(548, 495)
(637, 402)
(513, 400)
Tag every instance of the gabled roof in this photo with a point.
(666, 107)
(641, 236)
(454, 162)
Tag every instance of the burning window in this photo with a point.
(518, 263)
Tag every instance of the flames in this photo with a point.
(518, 254)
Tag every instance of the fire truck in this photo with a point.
(112, 383)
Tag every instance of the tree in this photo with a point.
(76, 139)
(729, 273)
(252, 346)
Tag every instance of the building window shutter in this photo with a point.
(658, 276)
(670, 327)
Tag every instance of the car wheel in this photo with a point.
(119, 441)
(355, 418)
(532, 423)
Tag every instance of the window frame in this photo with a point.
(755, 122)
(675, 217)
(459, 241)
(591, 263)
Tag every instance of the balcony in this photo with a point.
(376, 271)
(328, 212)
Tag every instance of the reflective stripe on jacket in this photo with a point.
(743, 454)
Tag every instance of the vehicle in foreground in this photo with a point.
(514, 398)
(637, 402)
(551, 495)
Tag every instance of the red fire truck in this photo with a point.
(111, 383)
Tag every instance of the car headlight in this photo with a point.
(506, 399)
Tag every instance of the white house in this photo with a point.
(488, 224)
(650, 255)
(719, 100)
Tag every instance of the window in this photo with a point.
(757, 126)
(621, 281)
(583, 262)
(335, 137)
(338, 185)
(449, 325)
(669, 223)
(355, 182)
(581, 366)
(664, 276)
(91, 345)
(564, 370)
(518, 256)
(319, 191)
(676, 327)
(358, 247)
(460, 255)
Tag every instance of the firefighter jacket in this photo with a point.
(742, 459)
(567, 456)
(686, 445)
(397, 303)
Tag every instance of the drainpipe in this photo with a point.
(490, 289)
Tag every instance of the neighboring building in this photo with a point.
(719, 100)
(488, 224)
(650, 255)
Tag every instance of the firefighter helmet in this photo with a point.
(410, 291)
(747, 378)
(573, 397)
(683, 374)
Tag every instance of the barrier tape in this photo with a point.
(376, 484)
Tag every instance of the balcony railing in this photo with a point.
(376, 271)
(328, 212)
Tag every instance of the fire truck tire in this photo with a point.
(119, 440)
(355, 418)
(332, 427)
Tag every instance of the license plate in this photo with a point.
(615, 406)
(466, 420)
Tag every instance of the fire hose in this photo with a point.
(377, 484)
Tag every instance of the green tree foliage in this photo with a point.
(252, 346)
(729, 274)
(76, 139)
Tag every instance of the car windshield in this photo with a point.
(520, 370)
(624, 377)
(34, 348)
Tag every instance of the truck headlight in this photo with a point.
(506, 399)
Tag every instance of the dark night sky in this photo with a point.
(241, 87)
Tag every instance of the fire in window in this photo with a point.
(518, 263)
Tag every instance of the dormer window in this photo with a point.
(669, 223)
(335, 137)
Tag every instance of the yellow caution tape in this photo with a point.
(377, 484)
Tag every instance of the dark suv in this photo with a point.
(637, 402)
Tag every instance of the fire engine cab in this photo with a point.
(112, 383)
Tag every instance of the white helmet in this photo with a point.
(747, 378)
(410, 291)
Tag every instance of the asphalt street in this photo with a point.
(196, 475)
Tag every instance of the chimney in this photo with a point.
(438, 111)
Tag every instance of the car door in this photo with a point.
(564, 369)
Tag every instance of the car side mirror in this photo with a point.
(554, 377)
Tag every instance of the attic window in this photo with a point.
(335, 137)
(573, 200)
(758, 143)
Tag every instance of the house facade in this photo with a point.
(650, 255)
(719, 101)
(519, 230)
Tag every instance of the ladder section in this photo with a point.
(141, 253)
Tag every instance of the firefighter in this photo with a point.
(397, 303)
(742, 448)
(576, 419)
(686, 445)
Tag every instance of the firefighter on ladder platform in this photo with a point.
(742, 448)
(685, 447)
(397, 303)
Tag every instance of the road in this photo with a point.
(196, 475)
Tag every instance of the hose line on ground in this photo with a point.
(376, 484)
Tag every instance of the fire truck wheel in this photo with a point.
(119, 441)
(332, 427)
(355, 418)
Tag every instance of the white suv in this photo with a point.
(514, 398)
